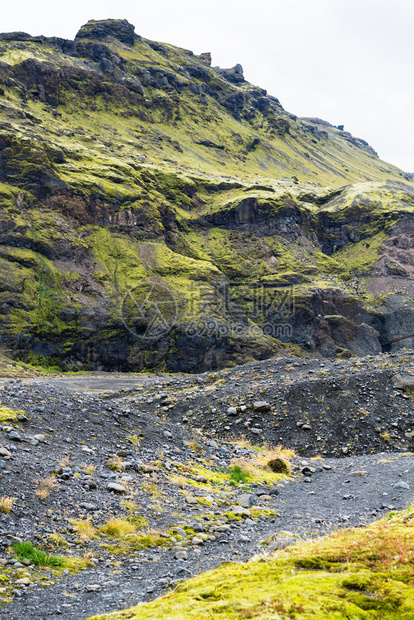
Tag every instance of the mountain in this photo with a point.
(161, 213)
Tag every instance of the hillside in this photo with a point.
(160, 213)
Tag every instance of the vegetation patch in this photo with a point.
(7, 414)
(360, 573)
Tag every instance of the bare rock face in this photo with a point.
(119, 29)
(206, 56)
(235, 74)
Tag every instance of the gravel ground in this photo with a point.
(169, 415)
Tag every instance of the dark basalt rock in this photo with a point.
(119, 29)
(234, 75)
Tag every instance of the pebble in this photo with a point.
(93, 587)
(246, 500)
(232, 411)
(115, 488)
(87, 506)
(181, 554)
(261, 406)
(244, 539)
(24, 581)
(190, 499)
(40, 438)
(401, 485)
(240, 511)
(281, 543)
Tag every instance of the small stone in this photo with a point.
(240, 511)
(261, 405)
(5, 453)
(86, 449)
(15, 436)
(358, 473)
(202, 479)
(273, 491)
(115, 488)
(246, 500)
(26, 562)
(40, 438)
(181, 554)
(401, 485)
(306, 427)
(232, 411)
(93, 587)
(122, 453)
(190, 499)
(243, 539)
(281, 543)
(87, 506)
(24, 581)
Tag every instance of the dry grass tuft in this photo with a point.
(64, 461)
(6, 504)
(84, 528)
(45, 486)
(115, 463)
(88, 468)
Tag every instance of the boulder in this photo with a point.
(119, 29)
(403, 382)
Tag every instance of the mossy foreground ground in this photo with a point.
(354, 573)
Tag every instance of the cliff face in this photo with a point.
(156, 212)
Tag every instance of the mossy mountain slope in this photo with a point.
(156, 212)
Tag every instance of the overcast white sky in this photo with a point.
(346, 61)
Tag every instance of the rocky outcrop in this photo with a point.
(119, 29)
(234, 75)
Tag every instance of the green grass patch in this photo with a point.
(9, 414)
(25, 550)
(353, 574)
(137, 542)
(238, 474)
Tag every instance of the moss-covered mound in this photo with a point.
(362, 573)
(158, 213)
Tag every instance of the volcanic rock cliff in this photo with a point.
(157, 212)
